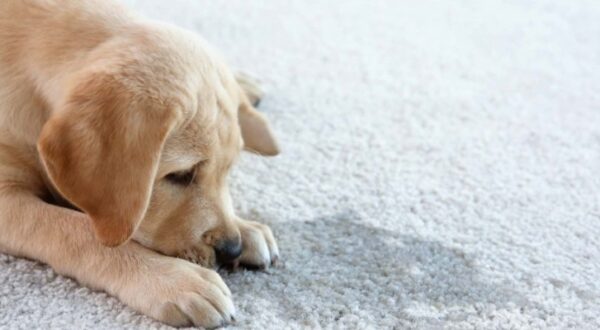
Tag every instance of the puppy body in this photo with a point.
(136, 124)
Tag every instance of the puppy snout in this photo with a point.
(228, 250)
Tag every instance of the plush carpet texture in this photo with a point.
(441, 168)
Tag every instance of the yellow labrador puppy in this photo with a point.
(116, 137)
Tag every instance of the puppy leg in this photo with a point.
(259, 249)
(171, 290)
(250, 88)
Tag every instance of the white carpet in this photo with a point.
(441, 168)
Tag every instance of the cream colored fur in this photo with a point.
(116, 137)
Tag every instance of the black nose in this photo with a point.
(228, 250)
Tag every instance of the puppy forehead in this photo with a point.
(189, 143)
(206, 135)
(209, 99)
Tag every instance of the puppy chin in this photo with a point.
(200, 255)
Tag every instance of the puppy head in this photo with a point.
(144, 138)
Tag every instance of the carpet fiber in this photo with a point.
(441, 168)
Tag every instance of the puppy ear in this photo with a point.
(101, 151)
(256, 132)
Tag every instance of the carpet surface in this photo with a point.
(440, 168)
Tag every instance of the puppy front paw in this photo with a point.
(179, 293)
(259, 249)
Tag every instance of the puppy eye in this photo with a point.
(182, 178)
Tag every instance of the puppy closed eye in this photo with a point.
(181, 178)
